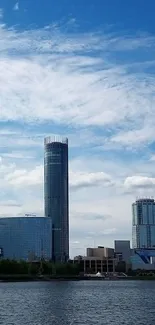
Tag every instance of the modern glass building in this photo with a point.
(143, 224)
(26, 238)
(56, 194)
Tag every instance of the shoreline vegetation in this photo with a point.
(13, 271)
(31, 278)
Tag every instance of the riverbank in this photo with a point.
(29, 278)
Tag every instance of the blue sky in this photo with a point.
(86, 70)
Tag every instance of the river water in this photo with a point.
(80, 303)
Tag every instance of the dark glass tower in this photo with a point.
(56, 195)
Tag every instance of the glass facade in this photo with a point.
(143, 224)
(25, 238)
(56, 195)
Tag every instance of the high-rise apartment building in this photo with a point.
(143, 223)
(56, 194)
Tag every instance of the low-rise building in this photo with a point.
(100, 259)
(92, 265)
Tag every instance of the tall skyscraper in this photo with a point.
(143, 224)
(56, 195)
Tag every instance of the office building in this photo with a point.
(26, 238)
(122, 250)
(56, 195)
(143, 224)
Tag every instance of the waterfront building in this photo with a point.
(98, 259)
(143, 224)
(26, 238)
(93, 265)
(56, 196)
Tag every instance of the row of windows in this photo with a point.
(52, 154)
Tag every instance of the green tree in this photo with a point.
(33, 269)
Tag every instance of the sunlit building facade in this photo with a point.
(26, 238)
(143, 224)
(56, 194)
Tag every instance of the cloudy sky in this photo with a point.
(86, 70)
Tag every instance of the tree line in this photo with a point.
(12, 267)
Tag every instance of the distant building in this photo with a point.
(122, 250)
(92, 265)
(100, 259)
(26, 238)
(143, 234)
(56, 194)
(143, 224)
(101, 252)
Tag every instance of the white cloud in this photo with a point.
(135, 137)
(139, 182)
(10, 203)
(17, 141)
(16, 6)
(8, 210)
(91, 216)
(82, 179)
(76, 242)
(18, 209)
(109, 231)
(93, 91)
(152, 158)
(8, 132)
(22, 177)
(17, 155)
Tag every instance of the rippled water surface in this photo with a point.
(84, 302)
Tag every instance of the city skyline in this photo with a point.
(84, 70)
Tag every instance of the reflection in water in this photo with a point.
(80, 303)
